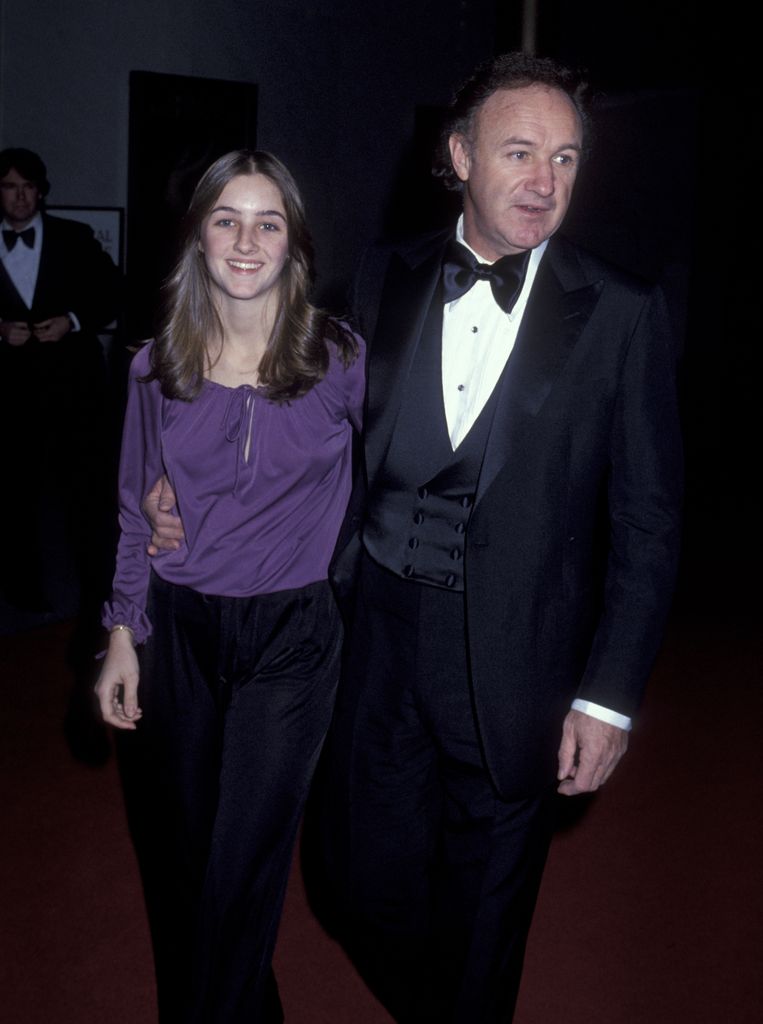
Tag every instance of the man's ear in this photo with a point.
(459, 155)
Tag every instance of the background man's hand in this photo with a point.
(15, 332)
(589, 752)
(53, 329)
(166, 525)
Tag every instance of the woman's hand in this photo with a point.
(117, 686)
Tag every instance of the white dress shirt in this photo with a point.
(477, 340)
(22, 263)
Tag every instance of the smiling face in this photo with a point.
(20, 199)
(518, 168)
(245, 240)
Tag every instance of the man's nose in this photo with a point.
(542, 181)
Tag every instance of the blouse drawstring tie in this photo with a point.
(237, 423)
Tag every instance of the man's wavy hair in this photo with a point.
(29, 165)
(297, 354)
(509, 71)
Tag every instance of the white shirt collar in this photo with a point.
(535, 254)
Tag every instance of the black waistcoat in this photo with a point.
(420, 504)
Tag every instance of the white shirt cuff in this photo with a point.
(603, 714)
(75, 323)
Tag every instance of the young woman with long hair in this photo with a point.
(224, 653)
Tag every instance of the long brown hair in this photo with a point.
(296, 357)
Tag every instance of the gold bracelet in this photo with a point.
(119, 628)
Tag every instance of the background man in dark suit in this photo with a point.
(518, 550)
(59, 281)
(57, 289)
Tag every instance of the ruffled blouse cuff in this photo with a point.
(117, 613)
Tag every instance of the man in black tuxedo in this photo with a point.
(60, 282)
(507, 562)
(57, 289)
(518, 544)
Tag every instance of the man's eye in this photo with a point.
(518, 154)
(564, 159)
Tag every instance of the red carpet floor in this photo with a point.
(650, 912)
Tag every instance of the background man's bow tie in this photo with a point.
(10, 237)
(506, 276)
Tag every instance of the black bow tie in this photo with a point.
(10, 237)
(506, 276)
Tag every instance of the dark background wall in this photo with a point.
(338, 85)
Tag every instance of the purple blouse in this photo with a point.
(261, 488)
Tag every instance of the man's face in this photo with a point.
(518, 169)
(19, 198)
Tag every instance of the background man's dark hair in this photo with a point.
(509, 71)
(28, 165)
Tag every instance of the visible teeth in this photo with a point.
(243, 266)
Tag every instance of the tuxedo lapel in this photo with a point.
(554, 318)
(46, 284)
(11, 300)
(405, 300)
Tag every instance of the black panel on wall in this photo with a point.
(420, 202)
(178, 126)
(634, 209)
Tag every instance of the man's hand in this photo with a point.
(15, 332)
(166, 525)
(53, 329)
(589, 752)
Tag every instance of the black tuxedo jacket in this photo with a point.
(75, 276)
(52, 413)
(572, 546)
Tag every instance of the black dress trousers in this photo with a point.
(237, 695)
(435, 876)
